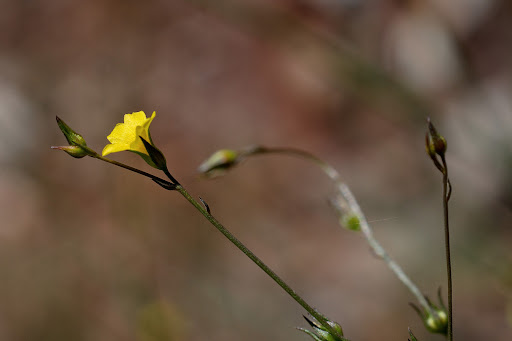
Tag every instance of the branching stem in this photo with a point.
(175, 185)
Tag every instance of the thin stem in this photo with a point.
(166, 171)
(319, 317)
(122, 165)
(346, 193)
(447, 246)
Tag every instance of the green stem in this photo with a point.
(347, 194)
(447, 247)
(166, 171)
(319, 317)
(122, 165)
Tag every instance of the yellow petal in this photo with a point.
(136, 118)
(114, 148)
(120, 134)
(137, 144)
(125, 136)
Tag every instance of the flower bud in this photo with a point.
(320, 333)
(434, 142)
(346, 216)
(435, 318)
(219, 162)
(73, 137)
(78, 147)
(74, 151)
(336, 326)
(351, 221)
(437, 323)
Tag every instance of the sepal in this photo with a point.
(156, 158)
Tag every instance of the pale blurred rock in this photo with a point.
(480, 130)
(464, 15)
(18, 123)
(422, 52)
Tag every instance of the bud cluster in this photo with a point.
(320, 333)
(435, 318)
(77, 146)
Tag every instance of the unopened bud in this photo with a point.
(434, 142)
(346, 216)
(219, 162)
(351, 221)
(74, 151)
(336, 326)
(77, 145)
(72, 136)
(437, 323)
(320, 333)
(435, 318)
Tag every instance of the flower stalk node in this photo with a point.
(165, 184)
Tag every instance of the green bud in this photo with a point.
(438, 323)
(77, 148)
(351, 221)
(435, 320)
(336, 326)
(320, 333)
(429, 146)
(74, 151)
(434, 142)
(73, 137)
(219, 162)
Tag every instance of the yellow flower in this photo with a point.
(126, 136)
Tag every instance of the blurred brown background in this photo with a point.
(93, 252)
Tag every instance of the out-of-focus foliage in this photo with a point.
(114, 257)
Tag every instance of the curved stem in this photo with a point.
(446, 196)
(346, 193)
